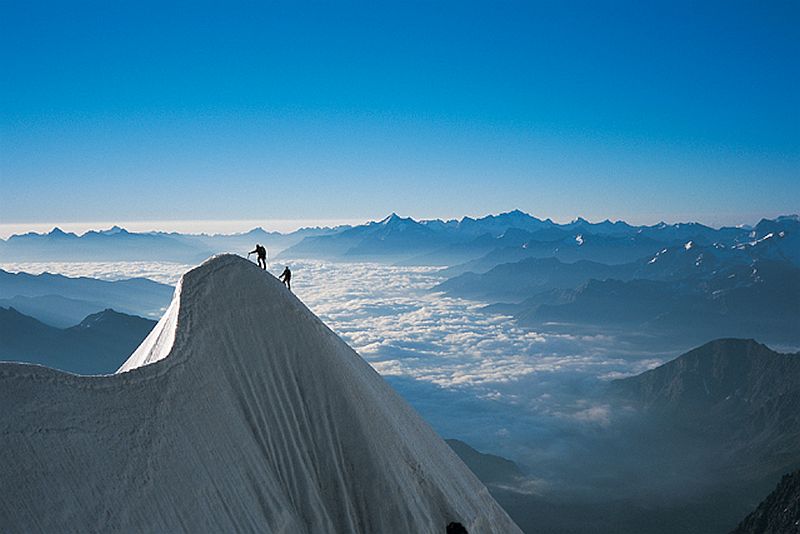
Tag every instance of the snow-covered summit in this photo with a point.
(243, 412)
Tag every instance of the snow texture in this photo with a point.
(242, 412)
(158, 344)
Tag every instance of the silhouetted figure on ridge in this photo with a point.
(286, 277)
(262, 255)
(456, 528)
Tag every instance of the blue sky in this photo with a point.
(646, 111)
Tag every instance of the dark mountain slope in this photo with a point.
(757, 300)
(779, 513)
(735, 398)
(489, 468)
(98, 345)
(516, 281)
(136, 296)
(54, 310)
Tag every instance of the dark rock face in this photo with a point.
(779, 513)
(456, 528)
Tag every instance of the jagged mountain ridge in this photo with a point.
(482, 241)
(777, 240)
(491, 240)
(118, 244)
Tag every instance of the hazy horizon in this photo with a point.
(290, 225)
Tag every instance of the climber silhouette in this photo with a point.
(286, 277)
(262, 255)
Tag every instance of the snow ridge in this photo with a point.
(158, 343)
(242, 412)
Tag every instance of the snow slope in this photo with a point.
(241, 412)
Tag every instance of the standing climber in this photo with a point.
(286, 277)
(261, 252)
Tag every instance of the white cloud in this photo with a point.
(599, 414)
(474, 376)
(164, 272)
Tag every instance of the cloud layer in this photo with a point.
(474, 376)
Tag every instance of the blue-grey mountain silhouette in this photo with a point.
(99, 344)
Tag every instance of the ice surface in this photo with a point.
(158, 343)
(242, 412)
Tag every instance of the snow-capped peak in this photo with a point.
(391, 218)
(761, 240)
(277, 423)
(113, 230)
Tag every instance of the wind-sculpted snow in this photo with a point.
(158, 344)
(253, 417)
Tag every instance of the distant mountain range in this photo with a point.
(478, 243)
(513, 282)
(117, 244)
(489, 241)
(777, 239)
(63, 301)
(688, 260)
(759, 300)
(688, 291)
(684, 281)
(99, 344)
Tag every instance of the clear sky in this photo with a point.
(126, 111)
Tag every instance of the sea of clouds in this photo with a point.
(474, 376)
